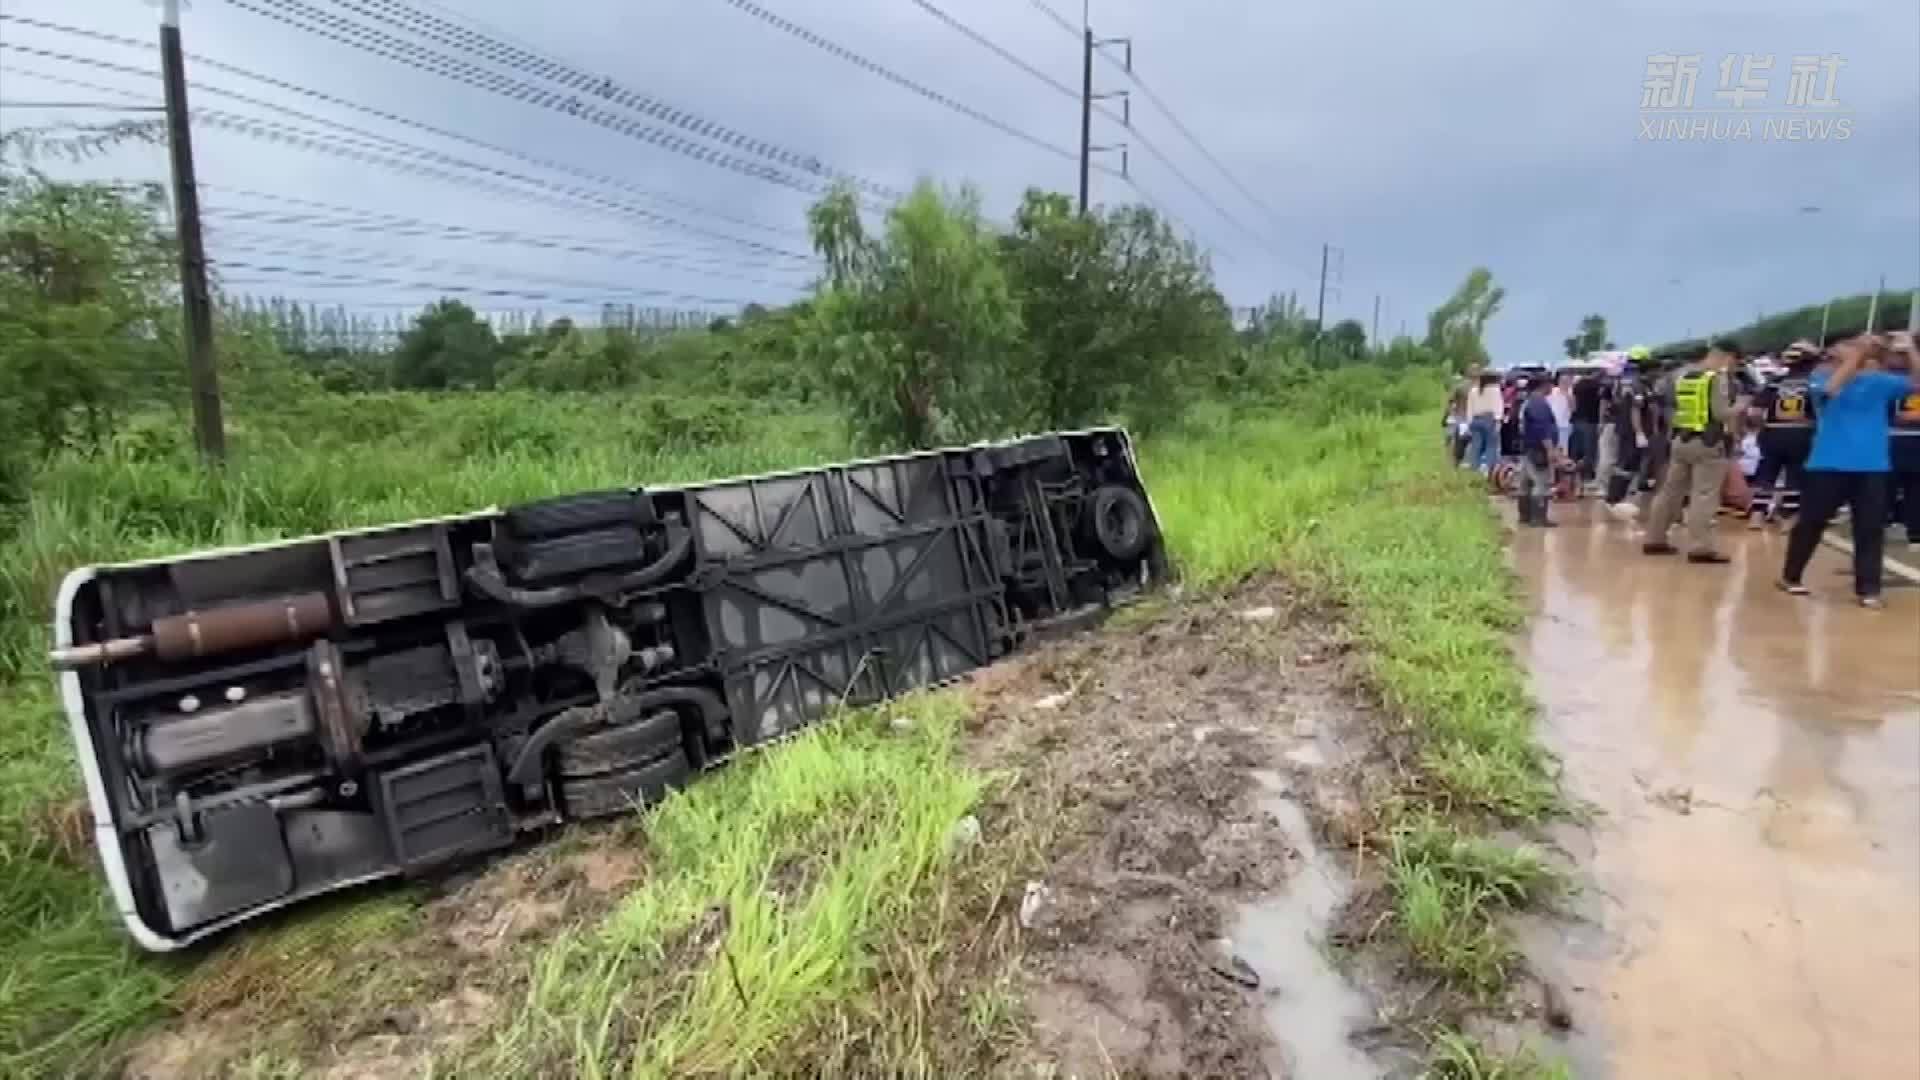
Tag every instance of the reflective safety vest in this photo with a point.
(1692, 402)
(1792, 405)
(1906, 414)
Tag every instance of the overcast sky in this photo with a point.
(1418, 139)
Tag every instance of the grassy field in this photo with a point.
(842, 896)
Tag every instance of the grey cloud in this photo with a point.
(1419, 139)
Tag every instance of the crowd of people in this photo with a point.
(1677, 439)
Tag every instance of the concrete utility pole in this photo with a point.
(1913, 312)
(1373, 339)
(208, 429)
(1087, 97)
(1086, 112)
(1320, 316)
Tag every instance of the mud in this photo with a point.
(1754, 763)
(1179, 929)
(445, 979)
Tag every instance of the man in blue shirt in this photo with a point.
(1849, 463)
(1539, 445)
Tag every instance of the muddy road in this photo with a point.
(1753, 897)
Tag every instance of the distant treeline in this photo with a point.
(1844, 316)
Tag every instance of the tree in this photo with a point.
(914, 329)
(1591, 338)
(448, 347)
(86, 312)
(1347, 338)
(1121, 315)
(1455, 329)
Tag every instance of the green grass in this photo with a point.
(1456, 1057)
(800, 909)
(1449, 889)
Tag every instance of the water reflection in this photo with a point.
(1757, 758)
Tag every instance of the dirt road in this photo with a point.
(1754, 902)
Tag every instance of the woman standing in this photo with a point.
(1486, 407)
(1849, 463)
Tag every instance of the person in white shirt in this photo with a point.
(1560, 400)
(1486, 408)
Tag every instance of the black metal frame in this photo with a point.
(765, 601)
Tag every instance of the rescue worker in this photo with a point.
(1627, 408)
(1656, 423)
(1784, 411)
(1703, 417)
(1855, 401)
(1903, 357)
(1539, 450)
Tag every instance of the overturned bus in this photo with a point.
(260, 725)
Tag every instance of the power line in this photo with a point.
(385, 115)
(455, 290)
(1166, 110)
(399, 227)
(281, 244)
(6, 103)
(369, 40)
(407, 121)
(1074, 95)
(794, 29)
(1059, 19)
(541, 65)
(356, 150)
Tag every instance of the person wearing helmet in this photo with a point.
(1702, 409)
(1783, 410)
(1633, 434)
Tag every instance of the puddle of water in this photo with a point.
(1757, 761)
(1310, 1009)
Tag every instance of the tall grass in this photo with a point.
(776, 887)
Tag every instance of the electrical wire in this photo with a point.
(541, 65)
(202, 60)
(385, 226)
(833, 48)
(275, 243)
(1166, 110)
(1074, 95)
(568, 197)
(415, 150)
(373, 41)
(455, 290)
(388, 116)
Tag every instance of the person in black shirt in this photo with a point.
(1784, 411)
(1904, 448)
(1584, 446)
(1629, 406)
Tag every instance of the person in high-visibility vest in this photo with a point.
(1702, 404)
